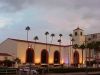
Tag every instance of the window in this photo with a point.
(89, 39)
(94, 36)
(75, 33)
(81, 33)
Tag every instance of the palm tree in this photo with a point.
(60, 36)
(69, 53)
(75, 46)
(27, 29)
(46, 33)
(72, 41)
(96, 47)
(52, 36)
(89, 46)
(70, 35)
(59, 41)
(17, 60)
(35, 38)
(82, 47)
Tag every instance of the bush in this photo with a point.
(68, 70)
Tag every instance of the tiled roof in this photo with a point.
(37, 42)
(4, 54)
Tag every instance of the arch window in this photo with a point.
(56, 57)
(30, 55)
(76, 58)
(44, 57)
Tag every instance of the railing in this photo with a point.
(8, 70)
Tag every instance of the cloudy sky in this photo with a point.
(54, 16)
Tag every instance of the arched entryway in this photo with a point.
(30, 55)
(44, 57)
(56, 57)
(76, 58)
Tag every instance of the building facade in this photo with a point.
(42, 53)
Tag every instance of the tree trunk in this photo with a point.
(82, 57)
(89, 57)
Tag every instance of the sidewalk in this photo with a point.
(79, 73)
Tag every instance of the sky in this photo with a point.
(54, 16)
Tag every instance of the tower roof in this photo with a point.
(78, 28)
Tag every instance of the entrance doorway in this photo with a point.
(76, 58)
(44, 57)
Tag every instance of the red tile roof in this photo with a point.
(37, 42)
(4, 54)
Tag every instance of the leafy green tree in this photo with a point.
(8, 63)
(17, 60)
(96, 47)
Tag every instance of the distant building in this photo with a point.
(92, 37)
(95, 54)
